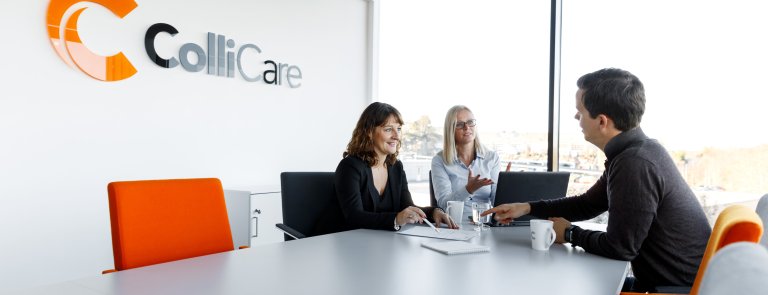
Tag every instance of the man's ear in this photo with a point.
(605, 122)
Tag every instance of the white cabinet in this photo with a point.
(271, 208)
(239, 213)
(253, 213)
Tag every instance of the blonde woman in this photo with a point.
(464, 170)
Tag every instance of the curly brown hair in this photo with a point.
(361, 144)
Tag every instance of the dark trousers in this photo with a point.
(631, 285)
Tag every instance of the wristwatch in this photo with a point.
(568, 234)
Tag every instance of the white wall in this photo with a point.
(66, 135)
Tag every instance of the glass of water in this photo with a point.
(477, 208)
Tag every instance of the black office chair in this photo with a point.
(310, 206)
(432, 199)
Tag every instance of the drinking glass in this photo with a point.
(477, 208)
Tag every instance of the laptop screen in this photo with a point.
(520, 187)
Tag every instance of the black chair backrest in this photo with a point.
(432, 199)
(309, 198)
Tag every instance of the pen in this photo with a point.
(430, 224)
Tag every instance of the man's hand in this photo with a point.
(506, 213)
(560, 224)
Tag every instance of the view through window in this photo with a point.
(491, 56)
(703, 66)
(702, 63)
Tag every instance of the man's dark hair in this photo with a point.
(615, 93)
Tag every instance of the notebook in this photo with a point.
(455, 247)
(521, 187)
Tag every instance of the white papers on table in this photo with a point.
(448, 234)
(455, 247)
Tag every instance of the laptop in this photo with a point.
(520, 187)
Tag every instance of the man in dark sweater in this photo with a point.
(655, 220)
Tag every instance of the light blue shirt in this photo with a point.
(450, 181)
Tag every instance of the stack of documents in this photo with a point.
(448, 234)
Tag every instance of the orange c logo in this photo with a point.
(104, 68)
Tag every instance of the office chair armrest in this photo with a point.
(108, 271)
(290, 231)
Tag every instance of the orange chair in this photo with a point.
(736, 223)
(156, 221)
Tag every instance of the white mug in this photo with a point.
(455, 210)
(542, 234)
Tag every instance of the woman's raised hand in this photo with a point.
(475, 182)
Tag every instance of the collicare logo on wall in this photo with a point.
(70, 48)
(221, 56)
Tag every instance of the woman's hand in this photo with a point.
(440, 217)
(475, 182)
(410, 215)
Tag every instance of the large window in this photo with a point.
(491, 56)
(703, 65)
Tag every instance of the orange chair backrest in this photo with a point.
(156, 221)
(736, 223)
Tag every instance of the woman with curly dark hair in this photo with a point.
(370, 182)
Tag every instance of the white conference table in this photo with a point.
(370, 262)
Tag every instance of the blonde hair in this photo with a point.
(449, 138)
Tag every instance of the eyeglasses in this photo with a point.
(468, 123)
